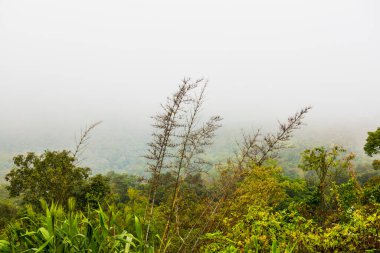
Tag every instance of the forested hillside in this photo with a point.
(123, 150)
(196, 188)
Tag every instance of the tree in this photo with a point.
(328, 164)
(52, 176)
(94, 191)
(159, 152)
(372, 146)
(193, 140)
(178, 142)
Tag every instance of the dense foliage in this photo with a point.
(54, 177)
(372, 146)
(244, 204)
(71, 231)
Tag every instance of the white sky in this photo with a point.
(67, 63)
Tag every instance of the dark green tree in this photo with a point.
(93, 191)
(52, 176)
(372, 146)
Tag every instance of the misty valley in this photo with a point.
(188, 185)
(169, 126)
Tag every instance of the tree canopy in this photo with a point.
(372, 146)
(54, 177)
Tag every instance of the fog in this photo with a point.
(65, 64)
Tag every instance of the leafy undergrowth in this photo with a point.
(263, 230)
(72, 231)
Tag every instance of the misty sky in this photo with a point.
(67, 63)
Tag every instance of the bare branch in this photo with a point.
(255, 149)
(166, 125)
(81, 144)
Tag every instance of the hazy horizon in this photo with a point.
(67, 64)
